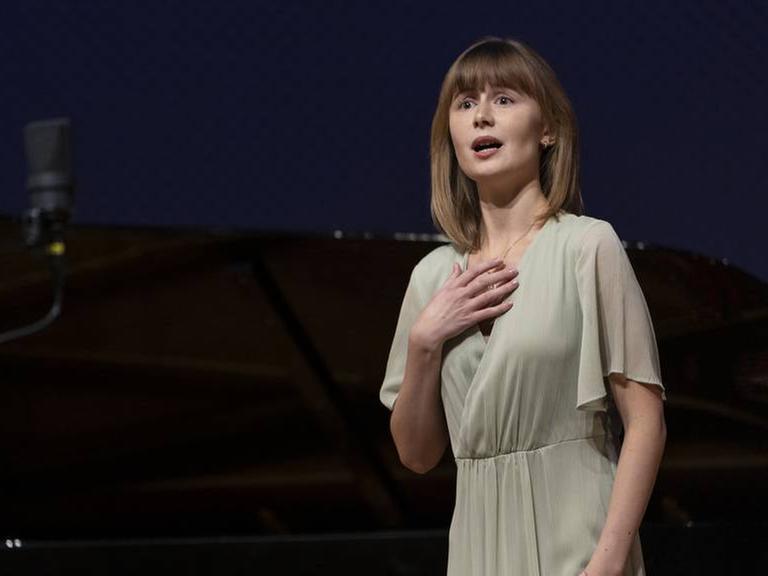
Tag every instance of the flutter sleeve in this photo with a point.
(410, 310)
(617, 332)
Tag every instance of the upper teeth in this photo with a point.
(484, 145)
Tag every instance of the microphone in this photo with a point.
(47, 145)
(50, 183)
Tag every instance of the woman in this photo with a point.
(525, 342)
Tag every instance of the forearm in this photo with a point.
(636, 472)
(417, 422)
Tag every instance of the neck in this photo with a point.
(507, 215)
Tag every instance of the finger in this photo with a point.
(493, 311)
(494, 295)
(474, 271)
(490, 281)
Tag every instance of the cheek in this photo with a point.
(522, 142)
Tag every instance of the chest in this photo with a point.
(511, 260)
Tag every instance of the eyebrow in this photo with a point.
(493, 89)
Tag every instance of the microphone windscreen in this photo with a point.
(48, 148)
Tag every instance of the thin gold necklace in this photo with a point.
(504, 254)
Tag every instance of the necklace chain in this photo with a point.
(504, 254)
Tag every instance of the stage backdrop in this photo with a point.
(314, 116)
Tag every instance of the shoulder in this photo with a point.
(591, 235)
(438, 257)
(433, 269)
(601, 251)
(584, 227)
(578, 234)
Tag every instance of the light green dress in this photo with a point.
(531, 420)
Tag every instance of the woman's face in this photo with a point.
(511, 120)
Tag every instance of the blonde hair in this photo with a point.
(510, 63)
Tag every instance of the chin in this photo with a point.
(490, 175)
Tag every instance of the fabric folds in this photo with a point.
(529, 411)
(617, 330)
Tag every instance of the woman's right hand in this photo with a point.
(465, 299)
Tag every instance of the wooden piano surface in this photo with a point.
(200, 384)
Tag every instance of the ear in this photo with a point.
(547, 138)
(546, 133)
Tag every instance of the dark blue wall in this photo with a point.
(285, 115)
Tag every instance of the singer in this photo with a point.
(526, 342)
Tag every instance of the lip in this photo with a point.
(484, 140)
(487, 153)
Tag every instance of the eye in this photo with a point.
(504, 100)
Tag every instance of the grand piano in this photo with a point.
(202, 386)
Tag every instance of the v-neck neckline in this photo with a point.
(476, 332)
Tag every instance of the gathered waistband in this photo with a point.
(540, 448)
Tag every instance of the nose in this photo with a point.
(483, 113)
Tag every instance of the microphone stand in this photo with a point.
(41, 225)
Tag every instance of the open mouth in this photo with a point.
(485, 143)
